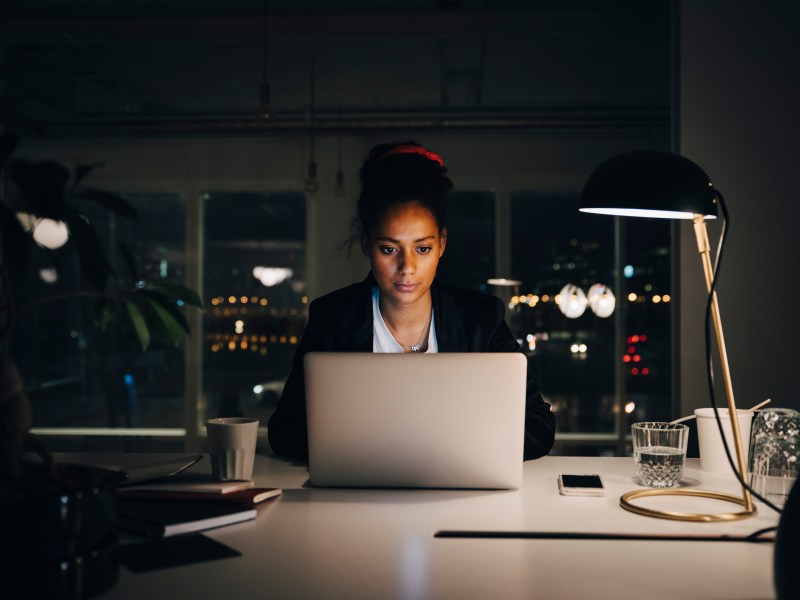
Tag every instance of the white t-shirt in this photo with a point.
(382, 338)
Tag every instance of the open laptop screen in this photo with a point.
(447, 420)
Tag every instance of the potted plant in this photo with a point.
(58, 519)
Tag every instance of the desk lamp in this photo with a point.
(657, 184)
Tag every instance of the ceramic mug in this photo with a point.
(232, 447)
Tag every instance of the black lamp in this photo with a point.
(650, 183)
(655, 184)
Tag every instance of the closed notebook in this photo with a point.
(165, 518)
(200, 484)
(252, 495)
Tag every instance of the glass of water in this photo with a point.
(659, 450)
(775, 453)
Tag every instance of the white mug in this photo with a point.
(712, 453)
(232, 447)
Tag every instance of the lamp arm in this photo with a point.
(704, 248)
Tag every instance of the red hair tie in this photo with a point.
(408, 149)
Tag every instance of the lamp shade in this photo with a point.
(649, 183)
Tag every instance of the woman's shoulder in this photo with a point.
(472, 321)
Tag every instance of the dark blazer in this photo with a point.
(341, 321)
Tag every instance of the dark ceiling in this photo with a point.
(98, 68)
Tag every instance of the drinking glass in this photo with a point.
(659, 450)
(774, 453)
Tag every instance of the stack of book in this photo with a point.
(187, 505)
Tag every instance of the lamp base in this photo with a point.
(625, 502)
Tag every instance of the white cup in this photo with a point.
(712, 453)
(232, 447)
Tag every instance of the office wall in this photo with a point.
(739, 99)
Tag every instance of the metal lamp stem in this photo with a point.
(703, 247)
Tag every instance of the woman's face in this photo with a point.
(404, 249)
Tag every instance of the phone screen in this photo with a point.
(582, 481)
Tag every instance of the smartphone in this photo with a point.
(580, 485)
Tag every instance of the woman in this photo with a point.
(399, 307)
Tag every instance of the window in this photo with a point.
(648, 301)
(79, 376)
(254, 291)
(600, 370)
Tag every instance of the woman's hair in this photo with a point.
(396, 173)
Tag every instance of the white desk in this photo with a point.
(376, 544)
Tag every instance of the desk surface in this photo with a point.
(334, 543)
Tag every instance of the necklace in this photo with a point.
(418, 345)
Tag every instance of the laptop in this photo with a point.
(447, 420)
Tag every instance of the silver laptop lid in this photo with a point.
(447, 420)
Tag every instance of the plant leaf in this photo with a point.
(103, 313)
(175, 291)
(162, 323)
(81, 171)
(91, 255)
(111, 201)
(131, 258)
(139, 324)
(168, 304)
